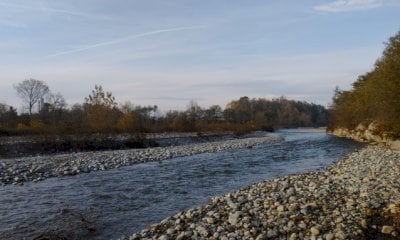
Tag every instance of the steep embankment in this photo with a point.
(370, 110)
(367, 133)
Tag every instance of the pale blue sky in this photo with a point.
(167, 52)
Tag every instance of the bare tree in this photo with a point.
(194, 111)
(57, 101)
(3, 108)
(31, 91)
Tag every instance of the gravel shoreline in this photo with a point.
(353, 199)
(19, 170)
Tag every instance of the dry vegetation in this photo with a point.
(100, 113)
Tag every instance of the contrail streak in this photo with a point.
(44, 9)
(140, 35)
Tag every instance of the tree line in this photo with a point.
(47, 113)
(374, 97)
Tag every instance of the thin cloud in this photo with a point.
(8, 23)
(131, 37)
(45, 9)
(348, 5)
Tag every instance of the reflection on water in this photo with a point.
(109, 204)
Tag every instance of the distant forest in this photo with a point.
(100, 113)
(375, 96)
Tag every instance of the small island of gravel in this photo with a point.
(356, 198)
(19, 170)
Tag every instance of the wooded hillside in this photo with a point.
(374, 97)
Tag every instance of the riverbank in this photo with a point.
(353, 199)
(19, 170)
(27, 146)
(367, 133)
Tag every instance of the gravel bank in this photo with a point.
(19, 170)
(353, 199)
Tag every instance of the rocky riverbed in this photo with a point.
(357, 198)
(19, 170)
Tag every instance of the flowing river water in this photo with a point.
(122, 201)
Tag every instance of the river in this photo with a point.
(122, 201)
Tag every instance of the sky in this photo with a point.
(169, 52)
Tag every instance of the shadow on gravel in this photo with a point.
(376, 219)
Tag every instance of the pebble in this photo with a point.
(329, 236)
(233, 218)
(210, 220)
(280, 208)
(163, 237)
(314, 231)
(387, 229)
(202, 231)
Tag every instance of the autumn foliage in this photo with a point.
(375, 96)
(100, 113)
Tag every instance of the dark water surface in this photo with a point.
(125, 200)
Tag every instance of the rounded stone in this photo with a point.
(387, 229)
(163, 237)
(329, 236)
(280, 208)
(314, 231)
(210, 220)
